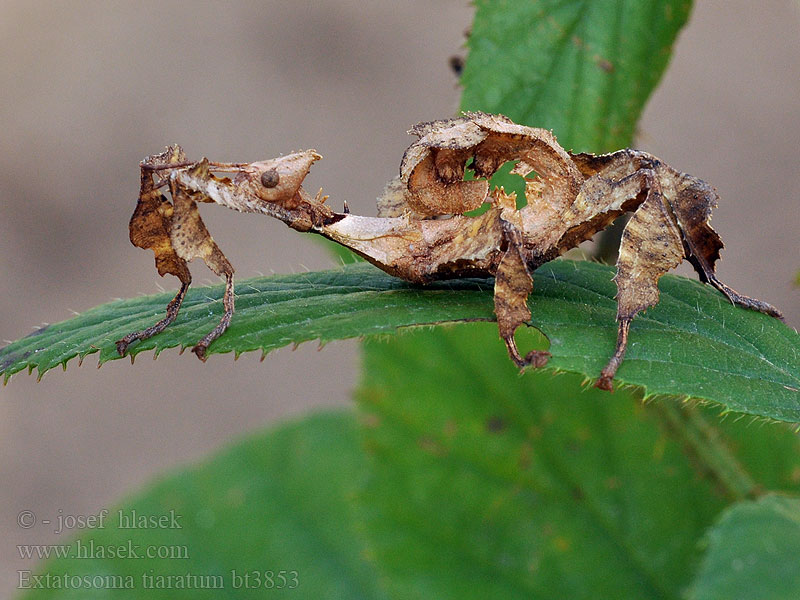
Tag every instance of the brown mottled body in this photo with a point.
(421, 233)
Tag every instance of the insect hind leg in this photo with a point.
(744, 301)
(707, 275)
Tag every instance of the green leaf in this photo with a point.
(583, 69)
(271, 312)
(592, 489)
(485, 484)
(694, 343)
(752, 553)
(279, 500)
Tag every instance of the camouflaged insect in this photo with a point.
(421, 233)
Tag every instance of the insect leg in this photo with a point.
(744, 301)
(149, 228)
(651, 246)
(608, 372)
(512, 286)
(191, 239)
(172, 311)
(692, 207)
(227, 302)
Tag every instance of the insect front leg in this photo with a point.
(228, 304)
(172, 312)
(191, 239)
(150, 227)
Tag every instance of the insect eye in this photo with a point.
(270, 178)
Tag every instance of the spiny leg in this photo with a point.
(191, 239)
(604, 382)
(651, 246)
(705, 270)
(228, 304)
(172, 312)
(744, 301)
(149, 228)
(512, 286)
(692, 206)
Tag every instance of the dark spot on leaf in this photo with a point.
(432, 446)
(495, 424)
(605, 65)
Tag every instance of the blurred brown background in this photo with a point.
(90, 88)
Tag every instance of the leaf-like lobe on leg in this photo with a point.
(651, 246)
(692, 206)
(513, 284)
(150, 227)
(189, 236)
(151, 222)
(191, 239)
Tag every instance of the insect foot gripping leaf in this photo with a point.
(421, 233)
